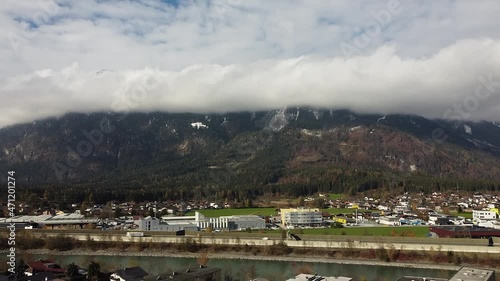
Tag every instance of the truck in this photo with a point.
(135, 234)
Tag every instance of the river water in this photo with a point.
(242, 269)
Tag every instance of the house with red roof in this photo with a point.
(44, 266)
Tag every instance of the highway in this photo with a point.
(345, 242)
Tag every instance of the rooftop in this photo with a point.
(473, 274)
(187, 274)
(414, 278)
(131, 273)
(310, 277)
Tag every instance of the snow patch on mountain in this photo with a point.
(317, 114)
(279, 120)
(199, 125)
(468, 129)
(314, 133)
(355, 128)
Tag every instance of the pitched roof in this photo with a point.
(131, 273)
(42, 276)
(46, 265)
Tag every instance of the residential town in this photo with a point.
(320, 211)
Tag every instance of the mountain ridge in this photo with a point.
(332, 149)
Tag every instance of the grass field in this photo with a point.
(467, 215)
(229, 212)
(335, 211)
(335, 196)
(417, 231)
(263, 211)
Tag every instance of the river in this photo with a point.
(240, 269)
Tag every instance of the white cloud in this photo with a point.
(382, 82)
(229, 55)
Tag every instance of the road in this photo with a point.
(400, 243)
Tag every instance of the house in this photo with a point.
(479, 215)
(310, 277)
(135, 273)
(43, 276)
(197, 273)
(43, 266)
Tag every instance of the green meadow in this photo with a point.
(416, 231)
(229, 212)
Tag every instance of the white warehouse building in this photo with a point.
(155, 224)
(199, 222)
(230, 223)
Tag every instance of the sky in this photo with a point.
(437, 59)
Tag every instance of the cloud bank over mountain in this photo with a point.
(438, 60)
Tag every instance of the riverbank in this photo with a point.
(345, 253)
(311, 259)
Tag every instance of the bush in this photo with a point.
(188, 245)
(336, 225)
(60, 243)
(449, 255)
(382, 254)
(27, 242)
(278, 249)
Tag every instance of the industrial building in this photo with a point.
(301, 217)
(231, 223)
(246, 222)
(58, 221)
(200, 222)
(155, 224)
